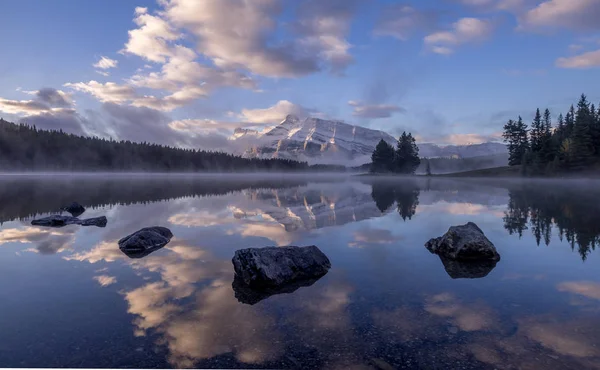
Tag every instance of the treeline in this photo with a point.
(25, 148)
(573, 144)
(404, 159)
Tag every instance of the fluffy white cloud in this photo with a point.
(46, 100)
(105, 280)
(22, 106)
(105, 92)
(106, 63)
(570, 14)
(150, 40)
(274, 114)
(238, 34)
(364, 110)
(465, 30)
(586, 60)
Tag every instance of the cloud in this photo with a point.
(150, 40)
(46, 241)
(105, 92)
(464, 31)
(106, 63)
(239, 35)
(46, 100)
(274, 114)
(54, 98)
(467, 317)
(51, 109)
(588, 289)
(22, 106)
(105, 280)
(187, 79)
(401, 21)
(374, 110)
(582, 61)
(580, 15)
(323, 25)
(236, 34)
(368, 236)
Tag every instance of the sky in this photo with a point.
(188, 72)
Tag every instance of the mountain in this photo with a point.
(313, 140)
(320, 141)
(428, 150)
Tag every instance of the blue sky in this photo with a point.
(187, 72)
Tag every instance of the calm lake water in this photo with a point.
(71, 298)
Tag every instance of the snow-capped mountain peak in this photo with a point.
(318, 140)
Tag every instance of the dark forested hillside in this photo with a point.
(572, 145)
(25, 148)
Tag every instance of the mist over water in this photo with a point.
(72, 298)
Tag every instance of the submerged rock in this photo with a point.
(74, 209)
(145, 241)
(467, 269)
(464, 243)
(245, 294)
(56, 221)
(95, 221)
(261, 268)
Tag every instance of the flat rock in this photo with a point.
(464, 243)
(74, 209)
(260, 268)
(95, 221)
(56, 221)
(145, 241)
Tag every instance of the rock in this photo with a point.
(464, 243)
(56, 221)
(260, 268)
(74, 209)
(145, 241)
(95, 221)
(468, 269)
(245, 294)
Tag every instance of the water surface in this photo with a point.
(71, 298)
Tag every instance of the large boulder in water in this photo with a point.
(56, 221)
(145, 241)
(464, 243)
(277, 266)
(74, 208)
(95, 221)
(60, 221)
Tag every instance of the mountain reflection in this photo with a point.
(572, 208)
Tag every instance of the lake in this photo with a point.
(71, 298)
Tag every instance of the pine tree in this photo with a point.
(595, 129)
(511, 137)
(382, 159)
(537, 130)
(583, 146)
(407, 155)
(547, 150)
(428, 168)
(570, 122)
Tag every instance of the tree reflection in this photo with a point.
(404, 194)
(572, 209)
